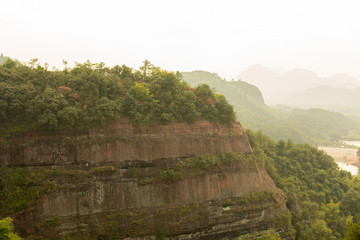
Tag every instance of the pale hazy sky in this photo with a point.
(218, 36)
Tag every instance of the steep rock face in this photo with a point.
(121, 142)
(128, 184)
(198, 207)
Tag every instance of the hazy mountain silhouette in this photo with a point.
(342, 79)
(322, 96)
(302, 87)
(266, 79)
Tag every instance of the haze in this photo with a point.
(217, 36)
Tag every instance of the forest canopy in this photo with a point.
(35, 98)
(324, 201)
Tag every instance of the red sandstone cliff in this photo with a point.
(223, 202)
(121, 141)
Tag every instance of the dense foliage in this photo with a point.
(311, 126)
(7, 230)
(322, 198)
(20, 188)
(32, 97)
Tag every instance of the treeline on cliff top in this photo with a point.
(311, 125)
(324, 201)
(88, 95)
(3, 58)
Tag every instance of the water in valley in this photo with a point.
(346, 158)
(348, 167)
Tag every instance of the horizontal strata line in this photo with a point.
(119, 138)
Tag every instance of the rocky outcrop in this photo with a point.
(121, 142)
(129, 184)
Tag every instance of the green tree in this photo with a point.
(7, 230)
(146, 68)
(353, 229)
(224, 109)
(270, 235)
(44, 108)
(91, 94)
(350, 203)
(335, 219)
(68, 117)
(318, 230)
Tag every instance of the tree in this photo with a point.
(318, 230)
(225, 110)
(266, 235)
(146, 67)
(44, 108)
(7, 230)
(334, 219)
(68, 117)
(350, 203)
(353, 229)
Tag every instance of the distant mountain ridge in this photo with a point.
(340, 99)
(277, 87)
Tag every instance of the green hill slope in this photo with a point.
(247, 99)
(312, 126)
(322, 199)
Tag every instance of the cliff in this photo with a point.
(121, 143)
(126, 181)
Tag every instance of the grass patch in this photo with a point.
(258, 197)
(200, 164)
(252, 198)
(20, 187)
(51, 222)
(100, 170)
(171, 175)
(134, 171)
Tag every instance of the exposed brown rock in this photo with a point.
(121, 141)
(118, 202)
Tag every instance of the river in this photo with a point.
(354, 170)
(344, 157)
(353, 143)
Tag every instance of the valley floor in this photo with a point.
(346, 158)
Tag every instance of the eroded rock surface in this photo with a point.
(120, 191)
(121, 141)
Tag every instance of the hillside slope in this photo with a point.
(247, 100)
(312, 126)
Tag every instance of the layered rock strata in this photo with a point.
(121, 142)
(128, 184)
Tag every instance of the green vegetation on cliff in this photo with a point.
(88, 95)
(311, 126)
(322, 198)
(7, 230)
(21, 187)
